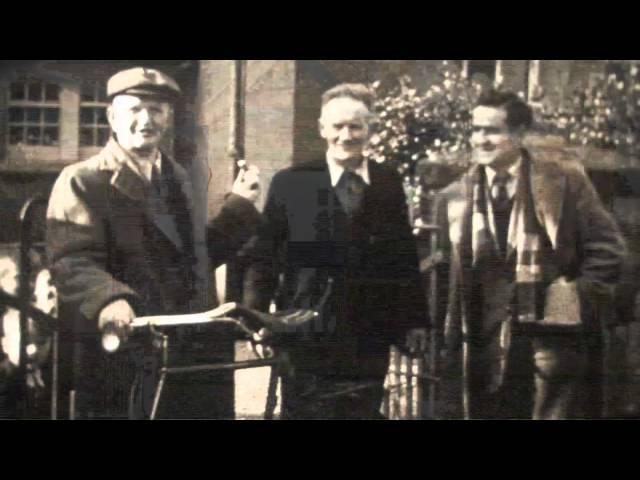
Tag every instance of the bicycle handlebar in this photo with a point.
(250, 321)
(216, 314)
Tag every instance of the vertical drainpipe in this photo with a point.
(229, 276)
(237, 113)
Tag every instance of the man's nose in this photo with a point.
(345, 134)
(479, 136)
(143, 117)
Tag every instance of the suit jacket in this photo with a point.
(587, 246)
(308, 241)
(110, 236)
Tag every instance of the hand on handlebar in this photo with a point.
(118, 320)
(114, 322)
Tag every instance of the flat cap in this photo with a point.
(143, 82)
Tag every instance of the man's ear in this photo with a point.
(371, 121)
(518, 133)
(110, 116)
(321, 128)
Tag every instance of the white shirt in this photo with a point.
(336, 170)
(144, 166)
(512, 183)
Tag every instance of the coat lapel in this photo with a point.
(373, 191)
(461, 213)
(128, 181)
(324, 182)
(548, 187)
(126, 178)
(160, 212)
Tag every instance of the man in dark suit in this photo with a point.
(120, 236)
(532, 255)
(339, 226)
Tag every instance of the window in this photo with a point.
(34, 113)
(482, 68)
(94, 127)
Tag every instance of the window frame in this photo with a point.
(99, 100)
(466, 67)
(43, 105)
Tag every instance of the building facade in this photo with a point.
(53, 113)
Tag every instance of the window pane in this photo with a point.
(34, 115)
(16, 135)
(480, 67)
(86, 137)
(86, 116)
(101, 116)
(50, 136)
(17, 91)
(103, 136)
(88, 92)
(16, 115)
(35, 91)
(33, 135)
(52, 93)
(51, 115)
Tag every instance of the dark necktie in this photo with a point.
(350, 191)
(501, 207)
(156, 180)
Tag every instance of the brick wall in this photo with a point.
(270, 116)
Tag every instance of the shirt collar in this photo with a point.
(336, 170)
(144, 167)
(513, 171)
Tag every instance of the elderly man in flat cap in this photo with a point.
(120, 235)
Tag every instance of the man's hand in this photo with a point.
(247, 185)
(118, 313)
(114, 322)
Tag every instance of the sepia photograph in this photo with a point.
(319, 239)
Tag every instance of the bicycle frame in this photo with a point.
(279, 363)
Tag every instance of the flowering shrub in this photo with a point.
(606, 115)
(424, 135)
